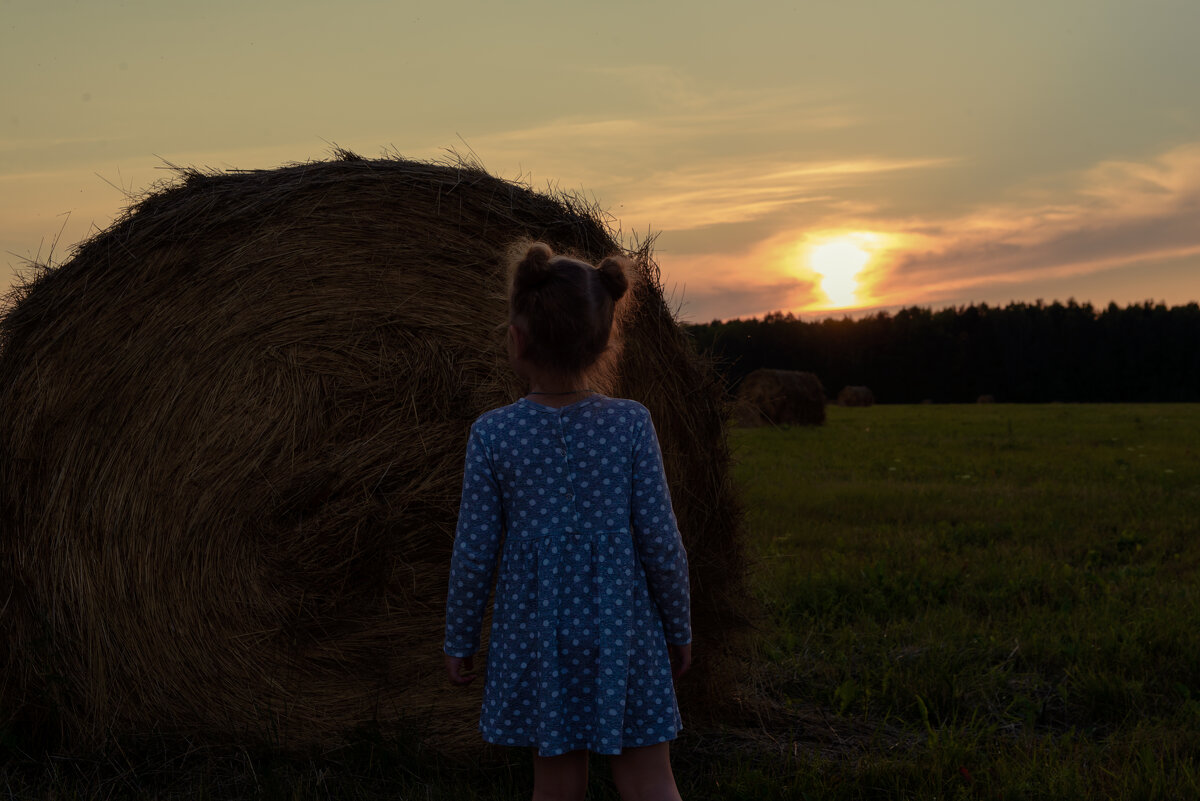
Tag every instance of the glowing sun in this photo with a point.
(838, 262)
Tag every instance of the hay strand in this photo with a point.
(232, 449)
(780, 397)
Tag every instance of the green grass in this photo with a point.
(1014, 585)
(994, 602)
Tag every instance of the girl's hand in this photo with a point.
(681, 659)
(459, 669)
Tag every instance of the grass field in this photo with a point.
(1013, 586)
(995, 602)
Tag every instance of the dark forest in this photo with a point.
(1019, 353)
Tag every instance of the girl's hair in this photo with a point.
(564, 306)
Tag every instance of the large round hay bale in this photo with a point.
(856, 396)
(232, 444)
(779, 397)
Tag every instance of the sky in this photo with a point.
(819, 157)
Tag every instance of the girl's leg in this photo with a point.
(560, 778)
(644, 774)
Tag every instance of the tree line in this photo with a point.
(1021, 353)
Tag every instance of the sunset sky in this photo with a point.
(818, 156)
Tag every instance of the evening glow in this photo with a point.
(863, 171)
(839, 263)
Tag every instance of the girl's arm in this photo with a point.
(656, 537)
(476, 542)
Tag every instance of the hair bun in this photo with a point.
(613, 277)
(534, 269)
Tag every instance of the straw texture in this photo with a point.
(232, 443)
(780, 397)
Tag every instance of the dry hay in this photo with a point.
(232, 448)
(777, 397)
(856, 396)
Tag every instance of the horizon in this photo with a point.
(828, 160)
(858, 314)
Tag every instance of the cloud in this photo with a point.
(695, 159)
(724, 285)
(1065, 229)
(701, 302)
(741, 190)
(1116, 214)
(725, 178)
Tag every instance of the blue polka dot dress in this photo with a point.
(592, 583)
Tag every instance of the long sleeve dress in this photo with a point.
(592, 584)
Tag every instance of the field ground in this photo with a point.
(994, 602)
(1014, 586)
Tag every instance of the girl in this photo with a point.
(591, 620)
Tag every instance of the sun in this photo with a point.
(839, 262)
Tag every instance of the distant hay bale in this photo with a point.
(856, 396)
(232, 446)
(986, 399)
(777, 397)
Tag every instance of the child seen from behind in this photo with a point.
(565, 489)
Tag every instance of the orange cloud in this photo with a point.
(1118, 213)
(733, 191)
(1114, 215)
